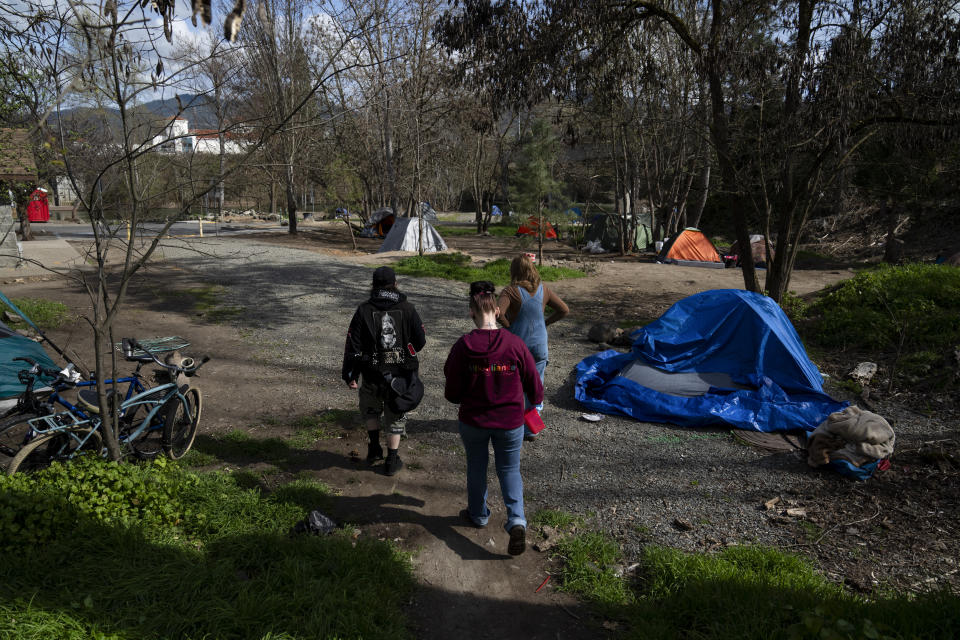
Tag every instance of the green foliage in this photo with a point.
(533, 181)
(311, 428)
(32, 505)
(588, 568)
(793, 306)
(46, 314)
(555, 519)
(220, 564)
(913, 310)
(742, 592)
(456, 266)
(239, 443)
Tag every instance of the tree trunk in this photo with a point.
(26, 233)
(106, 429)
(540, 233)
(703, 187)
(291, 203)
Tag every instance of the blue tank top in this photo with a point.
(529, 324)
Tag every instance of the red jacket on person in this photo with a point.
(488, 372)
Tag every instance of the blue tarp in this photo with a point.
(742, 334)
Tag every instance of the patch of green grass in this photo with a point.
(196, 458)
(206, 300)
(555, 519)
(46, 314)
(311, 428)
(456, 266)
(743, 592)
(498, 230)
(588, 568)
(224, 567)
(240, 444)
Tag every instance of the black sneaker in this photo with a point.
(392, 465)
(518, 540)
(374, 452)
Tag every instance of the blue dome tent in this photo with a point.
(723, 357)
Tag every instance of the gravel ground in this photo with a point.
(694, 489)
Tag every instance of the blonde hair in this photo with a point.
(524, 274)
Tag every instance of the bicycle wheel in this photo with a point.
(51, 447)
(149, 442)
(14, 433)
(180, 426)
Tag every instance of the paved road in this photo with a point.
(69, 231)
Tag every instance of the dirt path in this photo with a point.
(470, 586)
(273, 317)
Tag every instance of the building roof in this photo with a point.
(16, 158)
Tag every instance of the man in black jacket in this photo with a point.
(383, 340)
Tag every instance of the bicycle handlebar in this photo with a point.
(36, 369)
(189, 370)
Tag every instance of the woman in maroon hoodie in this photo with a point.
(488, 372)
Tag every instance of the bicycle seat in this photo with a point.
(87, 399)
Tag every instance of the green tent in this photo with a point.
(13, 345)
(605, 229)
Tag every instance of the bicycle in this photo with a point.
(15, 429)
(170, 410)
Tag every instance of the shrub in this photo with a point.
(911, 312)
(43, 506)
(917, 304)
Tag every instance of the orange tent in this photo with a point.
(690, 246)
(530, 228)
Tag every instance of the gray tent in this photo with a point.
(605, 229)
(405, 236)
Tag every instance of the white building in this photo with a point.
(177, 137)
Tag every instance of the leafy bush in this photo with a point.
(40, 507)
(918, 304)
(456, 266)
(911, 312)
(189, 556)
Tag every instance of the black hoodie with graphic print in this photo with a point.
(385, 335)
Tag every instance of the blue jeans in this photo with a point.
(527, 405)
(506, 453)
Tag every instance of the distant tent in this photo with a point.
(758, 247)
(405, 236)
(691, 248)
(379, 224)
(532, 225)
(605, 229)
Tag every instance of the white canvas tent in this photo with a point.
(405, 236)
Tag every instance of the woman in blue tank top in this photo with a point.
(522, 306)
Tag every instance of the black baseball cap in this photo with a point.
(384, 277)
